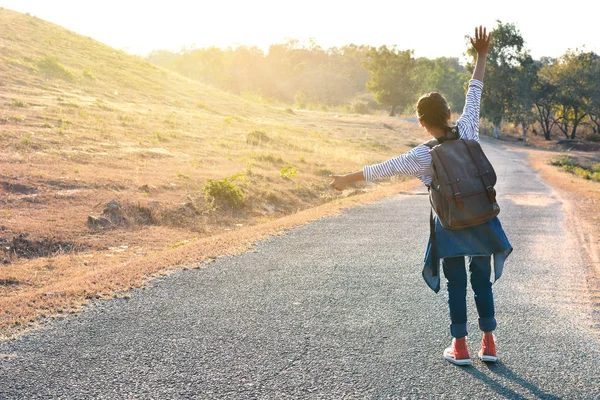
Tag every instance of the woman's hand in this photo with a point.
(481, 43)
(339, 182)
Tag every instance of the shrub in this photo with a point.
(63, 121)
(17, 103)
(256, 138)
(88, 74)
(582, 172)
(360, 107)
(300, 99)
(288, 172)
(54, 69)
(224, 191)
(563, 161)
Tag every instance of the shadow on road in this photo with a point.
(502, 371)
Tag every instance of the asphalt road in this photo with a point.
(334, 309)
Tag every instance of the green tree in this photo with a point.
(575, 78)
(391, 76)
(593, 105)
(444, 75)
(504, 58)
(521, 109)
(544, 93)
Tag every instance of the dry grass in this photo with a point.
(83, 124)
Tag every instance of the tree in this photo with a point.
(576, 79)
(391, 76)
(594, 109)
(520, 110)
(504, 58)
(444, 75)
(544, 94)
(593, 106)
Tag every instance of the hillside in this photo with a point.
(108, 163)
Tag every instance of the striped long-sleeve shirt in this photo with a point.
(417, 161)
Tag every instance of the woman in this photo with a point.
(479, 243)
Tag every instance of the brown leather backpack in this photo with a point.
(462, 190)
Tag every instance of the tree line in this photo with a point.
(304, 74)
(550, 95)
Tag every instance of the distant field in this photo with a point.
(174, 166)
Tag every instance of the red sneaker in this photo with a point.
(488, 348)
(458, 353)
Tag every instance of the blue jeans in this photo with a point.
(456, 275)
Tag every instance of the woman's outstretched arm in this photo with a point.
(340, 182)
(412, 163)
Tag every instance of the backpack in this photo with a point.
(462, 190)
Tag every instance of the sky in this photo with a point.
(431, 28)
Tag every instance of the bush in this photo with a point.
(582, 172)
(563, 161)
(17, 103)
(288, 172)
(224, 192)
(360, 107)
(88, 74)
(300, 99)
(257, 138)
(54, 69)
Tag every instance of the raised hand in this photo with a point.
(481, 42)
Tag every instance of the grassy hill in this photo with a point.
(89, 131)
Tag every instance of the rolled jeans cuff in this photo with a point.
(487, 324)
(458, 330)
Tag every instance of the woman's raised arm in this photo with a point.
(481, 44)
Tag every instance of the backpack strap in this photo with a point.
(431, 143)
(451, 134)
(481, 171)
